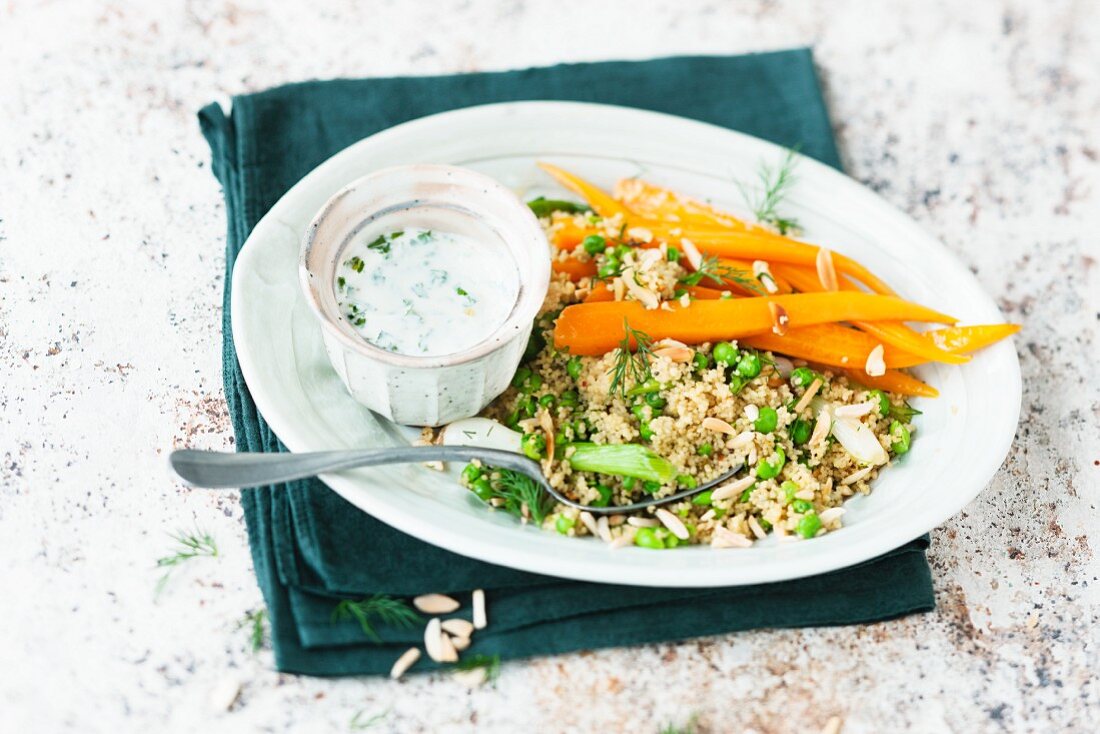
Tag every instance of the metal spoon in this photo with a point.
(222, 470)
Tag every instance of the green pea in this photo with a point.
(700, 361)
(628, 483)
(534, 345)
(802, 506)
(580, 427)
(899, 437)
(605, 496)
(686, 481)
(802, 377)
(533, 445)
(471, 473)
(672, 541)
(570, 399)
(650, 487)
(528, 406)
(750, 365)
(531, 382)
(621, 251)
(724, 353)
(647, 538)
(521, 376)
(809, 525)
(564, 524)
(767, 420)
(737, 383)
(703, 498)
(705, 450)
(789, 489)
(770, 468)
(883, 402)
(594, 244)
(673, 255)
(548, 400)
(573, 367)
(608, 270)
(641, 411)
(512, 421)
(747, 494)
(483, 489)
(800, 431)
(645, 431)
(655, 401)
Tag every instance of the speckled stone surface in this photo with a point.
(980, 119)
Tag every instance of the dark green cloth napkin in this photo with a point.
(311, 548)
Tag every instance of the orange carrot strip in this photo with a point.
(894, 334)
(574, 268)
(599, 200)
(593, 329)
(773, 248)
(893, 381)
(600, 292)
(656, 202)
(568, 234)
(971, 338)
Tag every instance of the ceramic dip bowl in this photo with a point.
(418, 389)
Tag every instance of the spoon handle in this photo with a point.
(221, 470)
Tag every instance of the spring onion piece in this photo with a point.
(543, 207)
(856, 438)
(628, 460)
(483, 432)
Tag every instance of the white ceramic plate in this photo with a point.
(960, 442)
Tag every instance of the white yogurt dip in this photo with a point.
(423, 292)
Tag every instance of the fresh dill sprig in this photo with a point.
(691, 727)
(718, 272)
(255, 620)
(393, 612)
(190, 545)
(490, 663)
(519, 490)
(774, 183)
(628, 364)
(360, 721)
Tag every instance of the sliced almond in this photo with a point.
(752, 412)
(472, 678)
(691, 252)
(756, 528)
(603, 529)
(438, 645)
(741, 440)
(589, 522)
(685, 300)
(718, 425)
(826, 272)
(546, 423)
(403, 663)
(643, 295)
(641, 234)
(675, 354)
(642, 522)
(856, 476)
(876, 364)
(480, 619)
(622, 541)
(804, 494)
(435, 604)
(674, 524)
(807, 396)
(821, 428)
(458, 627)
(460, 643)
(619, 289)
(762, 272)
(780, 320)
(723, 537)
(733, 489)
(827, 516)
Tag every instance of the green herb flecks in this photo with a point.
(383, 242)
(341, 282)
(362, 721)
(461, 291)
(519, 491)
(489, 663)
(714, 270)
(543, 207)
(383, 607)
(255, 620)
(774, 182)
(355, 263)
(629, 365)
(190, 545)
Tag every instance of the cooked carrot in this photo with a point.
(599, 200)
(838, 346)
(893, 381)
(894, 334)
(777, 249)
(592, 329)
(655, 202)
(574, 267)
(600, 292)
(568, 234)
